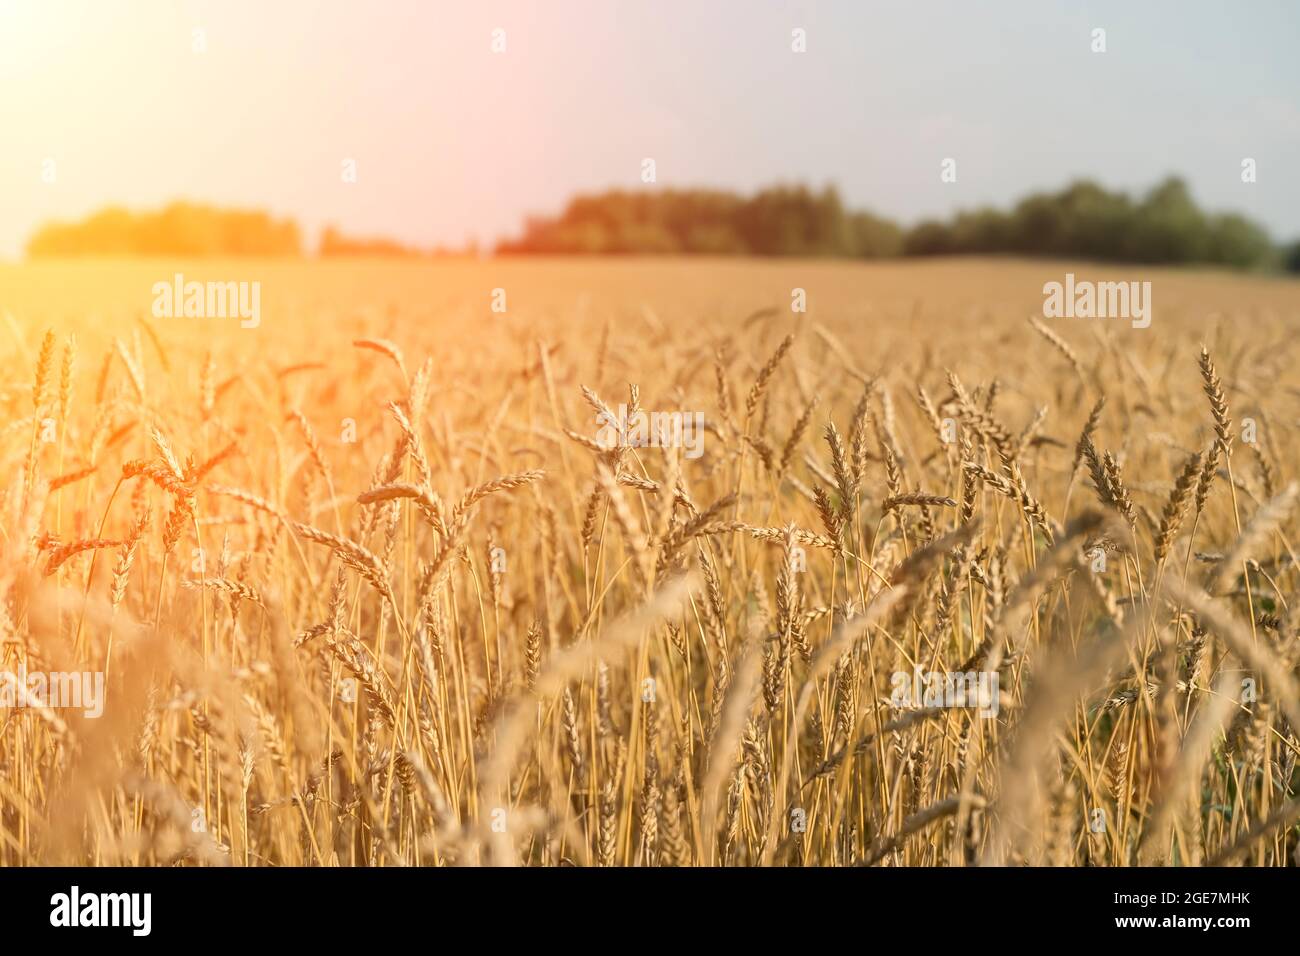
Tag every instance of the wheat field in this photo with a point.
(366, 587)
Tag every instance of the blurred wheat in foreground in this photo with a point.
(395, 608)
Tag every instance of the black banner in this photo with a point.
(359, 905)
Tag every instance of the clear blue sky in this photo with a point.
(454, 141)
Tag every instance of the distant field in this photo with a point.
(396, 603)
(721, 289)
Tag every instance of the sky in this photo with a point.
(453, 141)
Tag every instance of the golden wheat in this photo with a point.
(429, 618)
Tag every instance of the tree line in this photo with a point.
(1083, 220)
(181, 229)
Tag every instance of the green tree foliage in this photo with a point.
(1291, 257)
(1238, 242)
(1088, 222)
(780, 221)
(1084, 221)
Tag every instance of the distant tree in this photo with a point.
(793, 221)
(1037, 227)
(778, 221)
(1167, 227)
(1236, 241)
(713, 239)
(929, 238)
(1086, 221)
(872, 237)
(180, 229)
(644, 238)
(982, 231)
(1093, 221)
(1291, 257)
(1083, 220)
